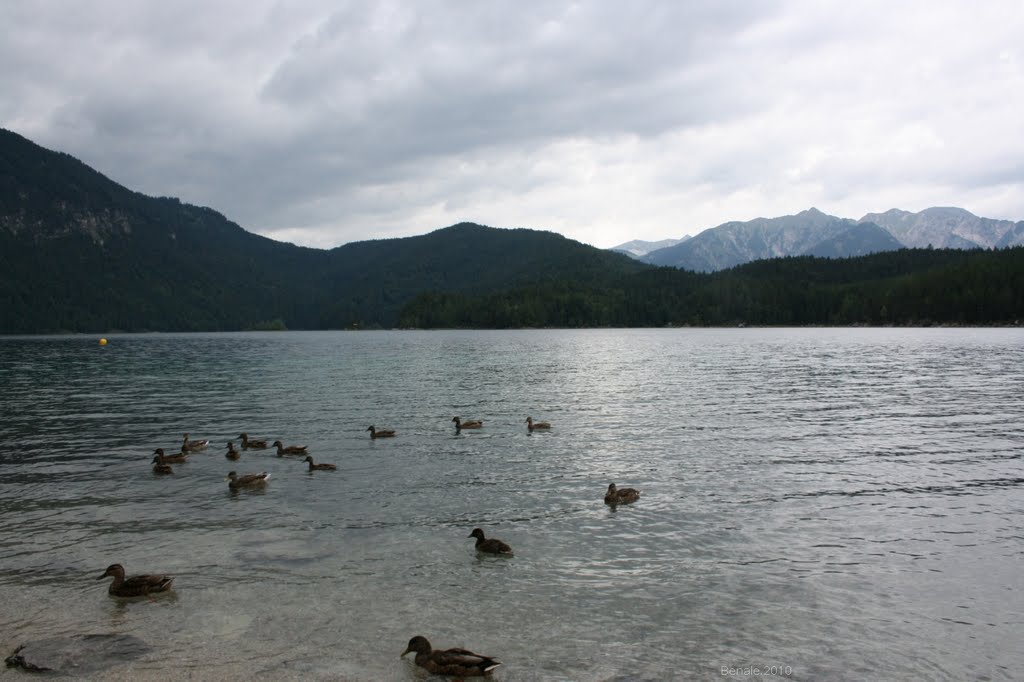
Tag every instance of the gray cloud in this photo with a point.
(334, 122)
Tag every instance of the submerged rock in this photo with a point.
(77, 654)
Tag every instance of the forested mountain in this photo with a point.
(80, 253)
(371, 280)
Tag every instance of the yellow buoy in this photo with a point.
(103, 342)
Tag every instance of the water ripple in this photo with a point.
(838, 498)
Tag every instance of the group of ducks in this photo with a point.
(162, 461)
(454, 662)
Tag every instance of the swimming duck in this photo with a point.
(624, 496)
(254, 444)
(159, 468)
(248, 481)
(532, 425)
(471, 424)
(290, 450)
(232, 453)
(136, 585)
(179, 458)
(193, 445)
(457, 662)
(489, 545)
(382, 433)
(318, 467)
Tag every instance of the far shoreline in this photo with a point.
(120, 333)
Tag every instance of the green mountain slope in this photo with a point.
(79, 252)
(464, 258)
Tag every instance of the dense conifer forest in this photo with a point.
(906, 287)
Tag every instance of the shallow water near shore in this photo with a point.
(836, 503)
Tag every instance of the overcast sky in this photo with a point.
(326, 122)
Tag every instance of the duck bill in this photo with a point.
(407, 651)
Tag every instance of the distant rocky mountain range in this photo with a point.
(638, 247)
(814, 233)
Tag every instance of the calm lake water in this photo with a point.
(838, 503)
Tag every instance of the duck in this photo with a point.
(193, 445)
(254, 444)
(624, 496)
(179, 458)
(532, 425)
(382, 433)
(290, 450)
(456, 662)
(232, 454)
(489, 545)
(136, 585)
(319, 467)
(247, 481)
(471, 424)
(160, 468)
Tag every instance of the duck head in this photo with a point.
(114, 570)
(418, 645)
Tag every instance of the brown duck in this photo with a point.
(232, 454)
(193, 445)
(136, 585)
(533, 426)
(159, 468)
(489, 545)
(318, 467)
(289, 450)
(616, 496)
(455, 662)
(470, 424)
(254, 444)
(381, 433)
(247, 481)
(179, 458)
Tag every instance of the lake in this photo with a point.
(816, 503)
